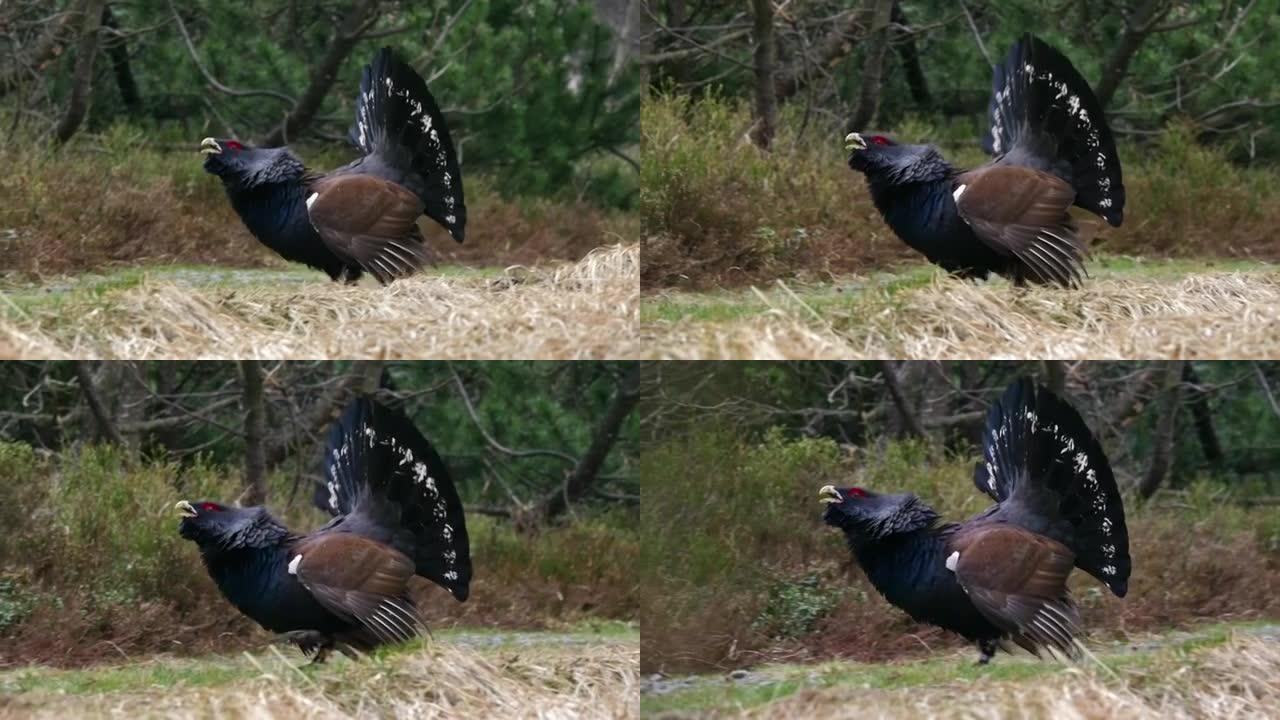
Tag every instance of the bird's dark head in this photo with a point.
(866, 516)
(871, 150)
(884, 160)
(244, 166)
(219, 528)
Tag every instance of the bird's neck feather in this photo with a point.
(244, 575)
(900, 563)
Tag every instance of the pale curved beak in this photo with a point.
(209, 146)
(184, 509)
(854, 141)
(828, 494)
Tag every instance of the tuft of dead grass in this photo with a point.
(1200, 315)
(439, 681)
(565, 311)
(1240, 679)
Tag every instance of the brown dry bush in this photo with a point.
(717, 211)
(735, 533)
(115, 200)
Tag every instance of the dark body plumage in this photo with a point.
(361, 217)
(1001, 574)
(345, 585)
(1052, 150)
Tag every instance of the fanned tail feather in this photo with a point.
(1043, 465)
(398, 120)
(1044, 115)
(377, 463)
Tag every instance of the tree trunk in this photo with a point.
(586, 471)
(910, 56)
(352, 28)
(103, 420)
(766, 104)
(1136, 29)
(1201, 415)
(1166, 426)
(82, 79)
(255, 462)
(872, 68)
(118, 51)
(910, 423)
(1055, 372)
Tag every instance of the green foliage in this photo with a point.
(16, 601)
(795, 606)
(1212, 64)
(106, 525)
(598, 551)
(522, 405)
(715, 508)
(529, 88)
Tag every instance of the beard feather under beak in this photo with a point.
(853, 141)
(828, 495)
(184, 509)
(209, 146)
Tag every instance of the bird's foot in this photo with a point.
(986, 651)
(322, 653)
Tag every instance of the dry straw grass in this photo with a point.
(1238, 680)
(581, 681)
(573, 310)
(1220, 315)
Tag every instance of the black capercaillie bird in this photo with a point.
(1052, 150)
(346, 585)
(1002, 574)
(363, 216)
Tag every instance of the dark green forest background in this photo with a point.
(100, 98)
(94, 455)
(744, 176)
(740, 568)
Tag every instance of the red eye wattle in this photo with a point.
(233, 145)
(210, 506)
(879, 140)
(857, 492)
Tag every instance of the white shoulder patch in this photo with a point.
(956, 195)
(311, 199)
(297, 559)
(952, 560)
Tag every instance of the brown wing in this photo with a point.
(1022, 212)
(369, 221)
(359, 580)
(1018, 580)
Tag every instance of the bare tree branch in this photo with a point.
(255, 462)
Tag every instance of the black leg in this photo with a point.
(987, 650)
(313, 644)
